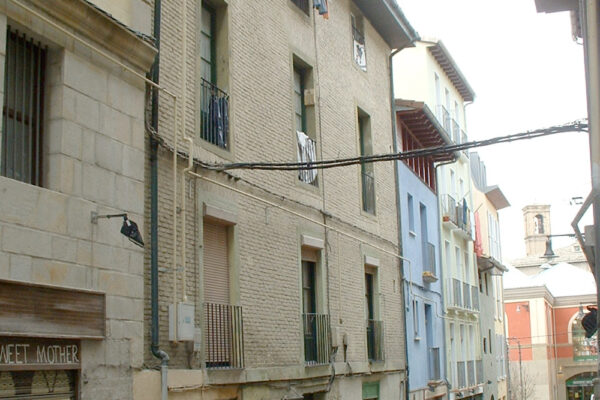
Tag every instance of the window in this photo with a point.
(538, 223)
(304, 121)
(358, 37)
(23, 112)
(453, 183)
(374, 325)
(366, 169)
(304, 5)
(438, 95)
(214, 101)
(415, 311)
(411, 213)
(370, 391)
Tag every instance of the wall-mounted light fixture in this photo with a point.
(549, 254)
(129, 228)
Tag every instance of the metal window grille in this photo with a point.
(434, 364)
(22, 112)
(304, 5)
(317, 344)
(224, 335)
(214, 115)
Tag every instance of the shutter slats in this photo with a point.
(216, 264)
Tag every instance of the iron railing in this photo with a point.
(317, 343)
(368, 191)
(466, 295)
(224, 335)
(23, 111)
(464, 139)
(304, 5)
(475, 297)
(429, 262)
(214, 115)
(471, 372)
(462, 378)
(445, 119)
(434, 364)
(375, 340)
(463, 217)
(456, 290)
(479, 368)
(455, 132)
(449, 209)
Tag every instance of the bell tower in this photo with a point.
(537, 228)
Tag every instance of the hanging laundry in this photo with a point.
(322, 7)
(306, 154)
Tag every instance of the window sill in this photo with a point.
(417, 338)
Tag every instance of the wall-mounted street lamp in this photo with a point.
(549, 253)
(129, 228)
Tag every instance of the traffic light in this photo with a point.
(590, 322)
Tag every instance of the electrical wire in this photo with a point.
(575, 126)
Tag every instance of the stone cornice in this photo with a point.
(528, 293)
(102, 29)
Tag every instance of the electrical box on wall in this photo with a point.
(181, 322)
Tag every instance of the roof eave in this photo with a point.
(389, 21)
(442, 56)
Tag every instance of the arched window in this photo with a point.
(584, 349)
(538, 223)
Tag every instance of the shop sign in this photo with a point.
(25, 353)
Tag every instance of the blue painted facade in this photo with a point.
(424, 324)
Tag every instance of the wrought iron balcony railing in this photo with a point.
(471, 373)
(317, 343)
(449, 209)
(368, 191)
(455, 132)
(445, 119)
(461, 373)
(463, 217)
(475, 297)
(224, 336)
(479, 368)
(214, 115)
(434, 364)
(457, 295)
(375, 340)
(466, 295)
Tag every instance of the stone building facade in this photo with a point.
(72, 289)
(276, 284)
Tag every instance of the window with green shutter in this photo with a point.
(370, 390)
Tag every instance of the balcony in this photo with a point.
(317, 345)
(455, 132)
(456, 293)
(479, 368)
(467, 295)
(223, 330)
(214, 115)
(375, 340)
(464, 139)
(429, 263)
(368, 191)
(471, 373)
(434, 364)
(475, 297)
(462, 378)
(463, 219)
(444, 117)
(449, 216)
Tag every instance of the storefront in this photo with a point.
(39, 368)
(580, 387)
(41, 329)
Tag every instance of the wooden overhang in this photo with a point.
(496, 197)
(445, 60)
(487, 263)
(424, 126)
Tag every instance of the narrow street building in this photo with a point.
(428, 73)
(418, 128)
(71, 152)
(487, 201)
(282, 284)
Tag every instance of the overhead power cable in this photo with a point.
(575, 126)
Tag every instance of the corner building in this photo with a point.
(71, 145)
(275, 284)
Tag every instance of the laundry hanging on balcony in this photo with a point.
(322, 7)
(218, 111)
(306, 154)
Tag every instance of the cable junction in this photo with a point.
(575, 126)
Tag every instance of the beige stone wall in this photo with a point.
(93, 161)
(263, 41)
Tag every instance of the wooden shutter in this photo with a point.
(216, 264)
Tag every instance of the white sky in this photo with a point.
(527, 73)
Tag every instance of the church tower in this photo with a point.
(537, 228)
